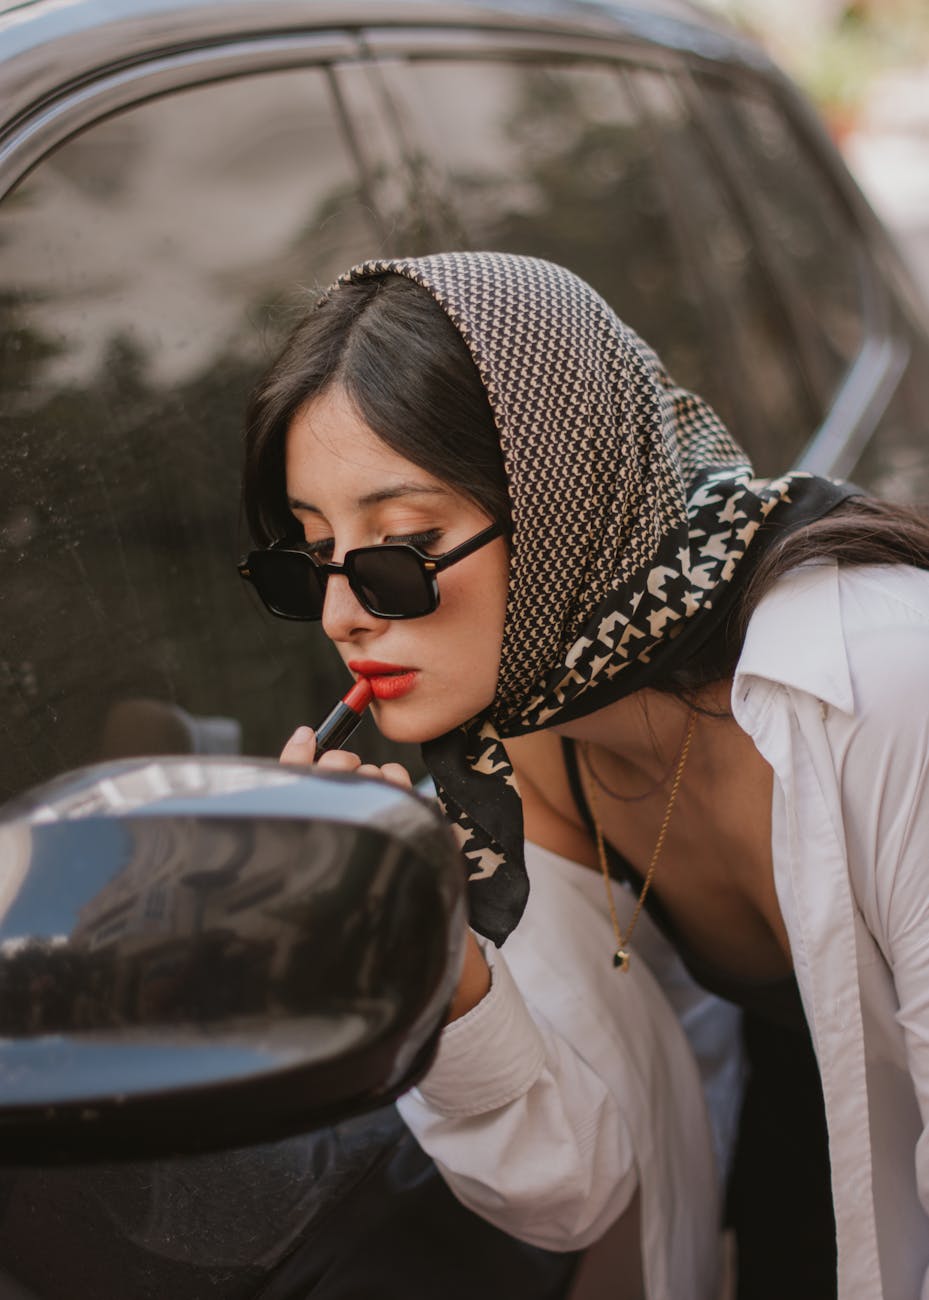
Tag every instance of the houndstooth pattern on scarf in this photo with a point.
(631, 507)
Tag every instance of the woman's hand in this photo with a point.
(301, 748)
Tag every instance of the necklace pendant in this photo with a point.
(621, 959)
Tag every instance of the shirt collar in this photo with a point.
(795, 637)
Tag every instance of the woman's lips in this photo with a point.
(392, 686)
(388, 681)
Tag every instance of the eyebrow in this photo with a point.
(376, 498)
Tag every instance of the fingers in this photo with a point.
(301, 749)
(339, 760)
(394, 773)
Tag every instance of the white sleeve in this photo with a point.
(567, 1088)
(525, 1132)
(885, 790)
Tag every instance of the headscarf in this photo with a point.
(632, 508)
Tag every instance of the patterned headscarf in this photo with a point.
(632, 508)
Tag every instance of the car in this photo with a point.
(175, 174)
(179, 177)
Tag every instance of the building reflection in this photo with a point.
(209, 921)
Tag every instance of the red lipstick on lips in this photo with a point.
(338, 725)
(388, 681)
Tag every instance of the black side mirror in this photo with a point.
(198, 953)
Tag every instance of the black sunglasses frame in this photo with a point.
(429, 565)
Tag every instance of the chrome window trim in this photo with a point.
(576, 31)
(857, 406)
(49, 46)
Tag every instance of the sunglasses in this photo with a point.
(390, 581)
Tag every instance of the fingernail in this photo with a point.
(301, 736)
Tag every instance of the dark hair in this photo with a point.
(861, 530)
(404, 365)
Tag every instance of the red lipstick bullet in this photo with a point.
(338, 725)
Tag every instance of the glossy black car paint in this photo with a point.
(197, 954)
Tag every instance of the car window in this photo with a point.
(806, 236)
(895, 462)
(818, 256)
(606, 169)
(148, 268)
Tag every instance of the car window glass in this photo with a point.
(802, 226)
(754, 347)
(602, 168)
(895, 462)
(148, 268)
(404, 206)
(555, 163)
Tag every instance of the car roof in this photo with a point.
(348, 11)
(48, 44)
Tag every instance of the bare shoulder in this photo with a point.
(550, 816)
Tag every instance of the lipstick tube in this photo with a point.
(338, 725)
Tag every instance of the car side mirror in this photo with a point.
(209, 952)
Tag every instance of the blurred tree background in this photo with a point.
(838, 51)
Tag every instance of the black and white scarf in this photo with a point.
(632, 510)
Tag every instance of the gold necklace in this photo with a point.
(634, 798)
(622, 955)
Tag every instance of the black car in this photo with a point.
(172, 172)
(174, 176)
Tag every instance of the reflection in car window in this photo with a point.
(555, 163)
(802, 225)
(604, 169)
(147, 266)
(895, 463)
(767, 400)
(809, 234)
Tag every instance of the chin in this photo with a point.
(416, 731)
(410, 734)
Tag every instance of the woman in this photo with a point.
(651, 664)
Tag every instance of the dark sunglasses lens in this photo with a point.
(392, 581)
(289, 583)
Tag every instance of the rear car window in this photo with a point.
(687, 198)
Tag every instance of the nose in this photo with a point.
(344, 617)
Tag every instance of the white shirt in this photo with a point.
(833, 687)
(548, 1097)
(571, 1083)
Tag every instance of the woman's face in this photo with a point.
(348, 489)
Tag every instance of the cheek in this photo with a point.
(493, 616)
(479, 612)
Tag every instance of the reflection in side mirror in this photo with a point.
(208, 952)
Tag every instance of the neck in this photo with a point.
(641, 735)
